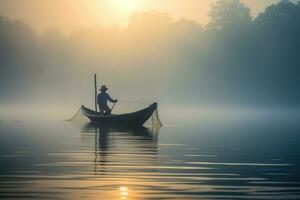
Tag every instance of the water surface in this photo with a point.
(254, 159)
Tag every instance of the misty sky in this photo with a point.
(69, 14)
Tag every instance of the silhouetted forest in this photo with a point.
(235, 59)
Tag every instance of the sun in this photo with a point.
(125, 5)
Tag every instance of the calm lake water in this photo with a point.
(246, 159)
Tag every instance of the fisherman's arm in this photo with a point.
(112, 100)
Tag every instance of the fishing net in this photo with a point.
(126, 107)
(78, 116)
(154, 121)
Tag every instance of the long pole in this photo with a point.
(112, 107)
(95, 84)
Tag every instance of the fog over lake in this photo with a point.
(234, 60)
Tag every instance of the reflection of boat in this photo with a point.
(133, 131)
(115, 146)
(133, 119)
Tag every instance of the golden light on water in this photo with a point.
(124, 192)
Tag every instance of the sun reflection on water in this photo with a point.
(124, 192)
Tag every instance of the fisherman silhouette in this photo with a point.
(102, 99)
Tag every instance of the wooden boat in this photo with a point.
(133, 119)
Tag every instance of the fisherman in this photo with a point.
(102, 99)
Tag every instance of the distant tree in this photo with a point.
(285, 13)
(277, 41)
(278, 30)
(228, 13)
(18, 47)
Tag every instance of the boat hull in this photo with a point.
(133, 119)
